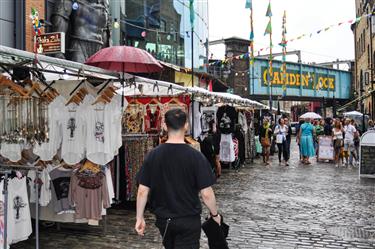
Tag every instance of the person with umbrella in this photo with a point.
(305, 138)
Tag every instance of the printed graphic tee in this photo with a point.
(19, 219)
(72, 125)
(60, 186)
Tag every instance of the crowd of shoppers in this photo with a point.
(344, 132)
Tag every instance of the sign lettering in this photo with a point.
(294, 79)
(50, 43)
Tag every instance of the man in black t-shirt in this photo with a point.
(171, 178)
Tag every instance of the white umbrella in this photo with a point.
(353, 113)
(311, 115)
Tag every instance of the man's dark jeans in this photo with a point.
(182, 233)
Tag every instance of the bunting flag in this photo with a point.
(249, 4)
(269, 11)
(192, 13)
(268, 30)
(310, 35)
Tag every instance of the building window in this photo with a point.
(369, 55)
(163, 25)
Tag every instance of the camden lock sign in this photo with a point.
(294, 79)
(50, 43)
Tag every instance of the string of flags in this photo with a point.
(303, 36)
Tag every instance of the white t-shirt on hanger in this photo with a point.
(98, 122)
(197, 118)
(72, 125)
(11, 151)
(116, 130)
(45, 194)
(19, 219)
(46, 151)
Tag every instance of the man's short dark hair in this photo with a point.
(175, 119)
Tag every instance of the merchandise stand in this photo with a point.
(7, 169)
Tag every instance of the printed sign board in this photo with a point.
(366, 155)
(50, 43)
(326, 150)
(299, 80)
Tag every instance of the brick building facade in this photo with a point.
(364, 33)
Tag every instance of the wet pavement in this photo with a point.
(315, 206)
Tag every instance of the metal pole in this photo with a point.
(5, 193)
(362, 103)
(192, 56)
(37, 209)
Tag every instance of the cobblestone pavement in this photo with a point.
(317, 206)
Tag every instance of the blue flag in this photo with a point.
(249, 4)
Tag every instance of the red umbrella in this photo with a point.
(125, 59)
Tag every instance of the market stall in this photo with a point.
(80, 133)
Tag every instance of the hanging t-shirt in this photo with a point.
(197, 118)
(242, 120)
(71, 120)
(227, 118)
(11, 151)
(60, 186)
(208, 116)
(111, 191)
(47, 150)
(116, 129)
(44, 187)
(227, 148)
(19, 219)
(99, 146)
(153, 118)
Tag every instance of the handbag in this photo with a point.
(265, 141)
(216, 234)
(279, 138)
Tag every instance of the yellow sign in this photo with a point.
(294, 79)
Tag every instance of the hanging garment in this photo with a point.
(11, 151)
(60, 178)
(227, 118)
(47, 150)
(135, 151)
(89, 196)
(98, 122)
(242, 120)
(152, 118)
(197, 118)
(109, 181)
(44, 185)
(239, 135)
(72, 123)
(133, 120)
(208, 117)
(19, 220)
(116, 126)
(227, 148)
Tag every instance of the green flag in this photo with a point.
(192, 13)
(268, 29)
(269, 11)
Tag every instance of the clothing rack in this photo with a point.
(7, 169)
(130, 137)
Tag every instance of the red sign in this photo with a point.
(50, 43)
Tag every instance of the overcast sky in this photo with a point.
(230, 18)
